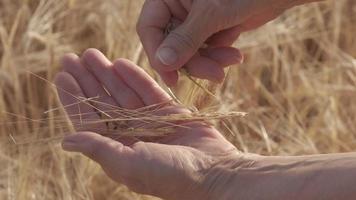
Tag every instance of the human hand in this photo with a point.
(182, 165)
(215, 23)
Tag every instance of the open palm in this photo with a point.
(172, 166)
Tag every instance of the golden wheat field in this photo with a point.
(298, 86)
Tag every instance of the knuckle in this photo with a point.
(138, 146)
(91, 150)
(112, 144)
(139, 28)
(185, 39)
(98, 149)
(119, 62)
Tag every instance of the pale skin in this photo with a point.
(191, 164)
(195, 163)
(215, 23)
(172, 167)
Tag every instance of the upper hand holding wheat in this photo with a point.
(216, 23)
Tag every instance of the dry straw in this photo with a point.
(298, 84)
(149, 121)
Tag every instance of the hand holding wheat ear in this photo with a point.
(193, 161)
(175, 166)
(216, 23)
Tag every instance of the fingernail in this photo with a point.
(167, 56)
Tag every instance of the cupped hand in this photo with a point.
(180, 165)
(199, 23)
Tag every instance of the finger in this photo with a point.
(225, 56)
(91, 87)
(169, 78)
(225, 38)
(73, 100)
(137, 79)
(113, 156)
(103, 70)
(176, 9)
(151, 26)
(205, 68)
(127, 165)
(182, 43)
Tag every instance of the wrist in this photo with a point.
(303, 177)
(224, 179)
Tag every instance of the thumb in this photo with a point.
(112, 155)
(182, 43)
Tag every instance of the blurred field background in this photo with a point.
(298, 85)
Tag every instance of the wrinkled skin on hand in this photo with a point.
(213, 23)
(181, 165)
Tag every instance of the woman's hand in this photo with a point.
(181, 165)
(198, 23)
